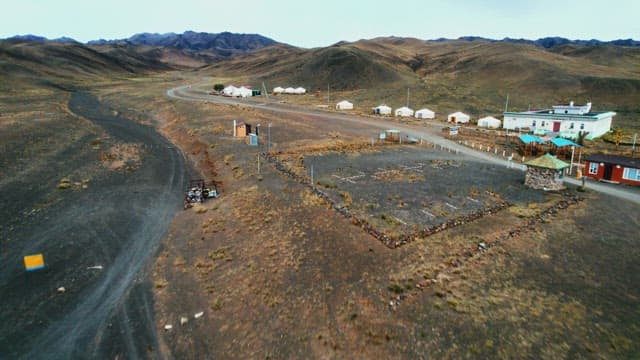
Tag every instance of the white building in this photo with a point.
(229, 90)
(425, 114)
(382, 110)
(404, 111)
(344, 105)
(489, 122)
(458, 117)
(568, 120)
(300, 90)
(243, 92)
(278, 90)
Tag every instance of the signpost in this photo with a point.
(453, 131)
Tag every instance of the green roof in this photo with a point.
(547, 161)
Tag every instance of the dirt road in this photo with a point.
(97, 243)
(192, 93)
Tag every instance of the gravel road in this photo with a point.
(430, 134)
(117, 223)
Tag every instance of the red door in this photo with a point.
(556, 126)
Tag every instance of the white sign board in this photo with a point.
(453, 131)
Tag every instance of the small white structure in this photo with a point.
(243, 92)
(382, 110)
(289, 90)
(425, 114)
(237, 92)
(568, 120)
(300, 90)
(458, 117)
(229, 90)
(489, 122)
(344, 105)
(404, 111)
(278, 90)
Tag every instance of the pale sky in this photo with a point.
(309, 23)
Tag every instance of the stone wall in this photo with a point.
(540, 178)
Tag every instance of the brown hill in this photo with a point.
(66, 64)
(473, 76)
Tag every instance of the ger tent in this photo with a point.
(458, 117)
(278, 90)
(404, 111)
(344, 105)
(489, 122)
(425, 114)
(382, 110)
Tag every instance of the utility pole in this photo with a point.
(264, 88)
(328, 94)
(506, 105)
(313, 185)
(633, 149)
(573, 148)
(407, 97)
(258, 163)
(269, 138)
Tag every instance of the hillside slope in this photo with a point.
(474, 76)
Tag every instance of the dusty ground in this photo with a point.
(280, 274)
(275, 270)
(85, 188)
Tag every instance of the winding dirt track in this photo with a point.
(192, 93)
(118, 223)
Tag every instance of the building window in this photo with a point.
(631, 174)
(581, 126)
(593, 168)
(533, 124)
(571, 126)
(566, 111)
(542, 124)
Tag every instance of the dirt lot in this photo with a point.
(279, 273)
(271, 270)
(92, 192)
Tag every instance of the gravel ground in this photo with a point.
(115, 219)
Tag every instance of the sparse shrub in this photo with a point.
(395, 288)
(347, 198)
(216, 304)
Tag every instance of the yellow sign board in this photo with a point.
(34, 262)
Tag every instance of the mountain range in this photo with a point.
(472, 74)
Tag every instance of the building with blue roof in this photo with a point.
(567, 119)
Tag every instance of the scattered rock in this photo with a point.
(198, 315)
(168, 327)
(184, 320)
(61, 289)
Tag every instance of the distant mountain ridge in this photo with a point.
(223, 44)
(551, 42)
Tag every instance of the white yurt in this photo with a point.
(458, 117)
(243, 92)
(382, 110)
(300, 90)
(344, 105)
(289, 90)
(404, 111)
(278, 90)
(489, 122)
(229, 90)
(425, 114)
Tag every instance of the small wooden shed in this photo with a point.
(545, 173)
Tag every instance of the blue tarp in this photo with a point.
(560, 142)
(528, 139)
